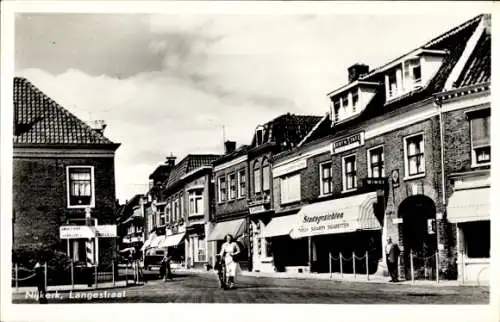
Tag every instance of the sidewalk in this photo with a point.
(67, 288)
(346, 278)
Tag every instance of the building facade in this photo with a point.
(374, 170)
(63, 171)
(130, 226)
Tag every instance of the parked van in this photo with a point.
(153, 258)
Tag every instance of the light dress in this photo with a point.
(227, 250)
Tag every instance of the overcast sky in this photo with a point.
(167, 83)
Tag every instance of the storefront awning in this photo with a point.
(233, 227)
(337, 216)
(469, 205)
(171, 241)
(280, 226)
(155, 243)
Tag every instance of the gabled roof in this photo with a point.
(40, 120)
(161, 172)
(287, 130)
(190, 163)
(477, 70)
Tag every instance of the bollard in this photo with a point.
(437, 267)
(411, 267)
(367, 270)
(113, 271)
(330, 263)
(341, 267)
(126, 274)
(45, 277)
(17, 277)
(354, 264)
(72, 276)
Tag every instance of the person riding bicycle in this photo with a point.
(229, 250)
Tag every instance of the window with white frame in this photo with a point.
(345, 102)
(326, 178)
(290, 188)
(221, 183)
(181, 205)
(266, 176)
(349, 171)
(201, 255)
(414, 155)
(167, 217)
(256, 178)
(355, 99)
(241, 184)
(336, 109)
(392, 83)
(480, 138)
(412, 74)
(196, 202)
(232, 186)
(80, 189)
(176, 210)
(376, 162)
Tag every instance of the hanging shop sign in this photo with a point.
(375, 182)
(105, 231)
(348, 143)
(256, 209)
(75, 232)
(395, 178)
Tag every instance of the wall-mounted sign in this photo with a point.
(289, 168)
(375, 182)
(75, 232)
(348, 143)
(395, 178)
(397, 221)
(105, 231)
(256, 209)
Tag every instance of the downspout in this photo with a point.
(443, 180)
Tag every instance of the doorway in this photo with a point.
(418, 239)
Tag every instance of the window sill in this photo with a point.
(231, 200)
(287, 203)
(349, 190)
(480, 165)
(325, 195)
(81, 206)
(417, 176)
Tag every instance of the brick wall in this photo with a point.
(231, 208)
(40, 200)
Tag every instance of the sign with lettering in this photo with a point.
(289, 168)
(348, 143)
(75, 232)
(256, 209)
(328, 223)
(397, 221)
(375, 182)
(105, 231)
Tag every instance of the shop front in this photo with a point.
(344, 227)
(238, 229)
(469, 209)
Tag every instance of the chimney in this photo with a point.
(98, 126)
(356, 71)
(230, 146)
(171, 160)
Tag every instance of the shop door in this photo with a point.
(417, 238)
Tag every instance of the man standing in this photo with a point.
(392, 255)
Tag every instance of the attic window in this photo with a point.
(412, 73)
(336, 109)
(259, 135)
(355, 100)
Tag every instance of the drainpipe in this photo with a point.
(443, 180)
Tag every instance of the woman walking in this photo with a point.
(229, 250)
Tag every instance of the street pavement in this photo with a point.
(203, 287)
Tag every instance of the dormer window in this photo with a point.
(259, 135)
(412, 74)
(355, 100)
(392, 84)
(336, 109)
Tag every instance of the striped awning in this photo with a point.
(337, 216)
(469, 205)
(280, 226)
(172, 240)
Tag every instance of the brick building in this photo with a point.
(130, 226)
(374, 169)
(244, 191)
(186, 199)
(61, 167)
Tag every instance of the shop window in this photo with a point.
(414, 155)
(349, 171)
(196, 202)
(222, 188)
(266, 174)
(477, 237)
(376, 162)
(202, 257)
(326, 178)
(80, 189)
(290, 188)
(480, 138)
(232, 186)
(256, 178)
(241, 184)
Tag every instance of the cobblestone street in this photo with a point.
(203, 288)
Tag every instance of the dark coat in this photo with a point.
(393, 254)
